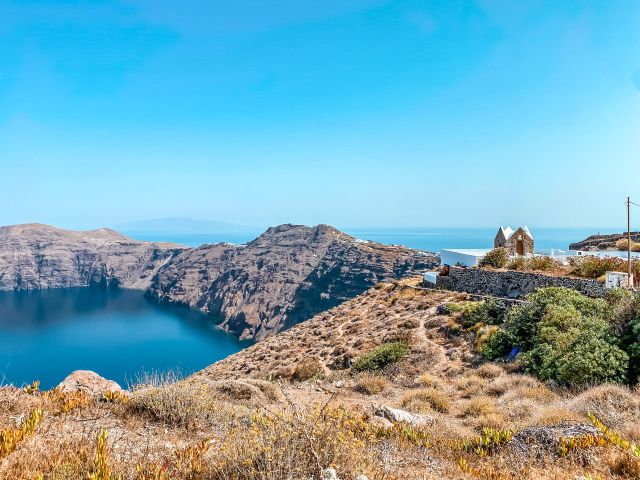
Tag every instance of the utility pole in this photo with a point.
(629, 282)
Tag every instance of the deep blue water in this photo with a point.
(118, 333)
(431, 239)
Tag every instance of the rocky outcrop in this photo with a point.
(35, 256)
(603, 242)
(285, 276)
(88, 382)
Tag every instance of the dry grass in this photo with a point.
(489, 371)
(185, 403)
(425, 401)
(613, 404)
(479, 406)
(307, 369)
(370, 384)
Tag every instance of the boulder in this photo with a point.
(380, 422)
(396, 415)
(88, 382)
(540, 441)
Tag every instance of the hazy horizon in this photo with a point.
(344, 112)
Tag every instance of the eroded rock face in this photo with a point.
(88, 382)
(285, 276)
(35, 256)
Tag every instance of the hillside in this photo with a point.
(285, 276)
(296, 406)
(35, 256)
(603, 242)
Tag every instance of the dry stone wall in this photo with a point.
(512, 284)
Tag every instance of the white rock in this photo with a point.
(88, 382)
(330, 474)
(396, 415)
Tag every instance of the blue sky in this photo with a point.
(348, 112)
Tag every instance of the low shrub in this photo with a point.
(181, 403)
(591, 266)
(540, 263)
(425, 400)
(496, 258)
(307, 369)
(479, 406)
(370, 384)
(489, 371)
(485, 312)
(381, 356)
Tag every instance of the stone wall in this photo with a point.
(512, 284)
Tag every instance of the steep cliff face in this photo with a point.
(285, 276)
(37, 256)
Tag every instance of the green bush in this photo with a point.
(496, 258)
(565, 337)
(495, 344)
(574, 349)
(380, 357)
(486, 312)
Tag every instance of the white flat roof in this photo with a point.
(478, 252)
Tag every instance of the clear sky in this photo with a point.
(348, 112)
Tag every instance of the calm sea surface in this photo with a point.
(120, 334)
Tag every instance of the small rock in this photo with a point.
(339, 384)
(396, 415)
(88, 382)
(330, 474)
(380, 422)
(362, 477)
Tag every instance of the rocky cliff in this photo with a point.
(285, 276)
(603, 242)
(34, 256)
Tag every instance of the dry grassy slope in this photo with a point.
(441, 377)
(386, 312)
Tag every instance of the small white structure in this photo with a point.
(462, 257)
(617, 280)
(430, 277)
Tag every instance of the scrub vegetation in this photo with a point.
(484, 392)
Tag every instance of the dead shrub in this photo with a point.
(614, 405)
(426, 400)
(546, 416)
(489, 371)
(479, 406)
(295, 444)
(501, 385)
(428, 380)
(539, 394)
(370, 384)
(181, 403)
(307, 369)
